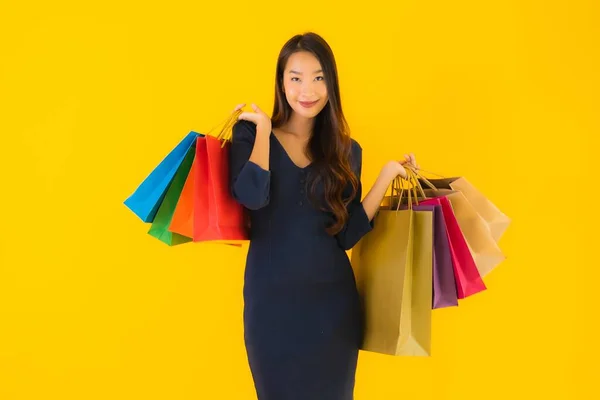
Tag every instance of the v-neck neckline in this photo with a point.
(287, 154)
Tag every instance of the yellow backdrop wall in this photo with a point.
(93, 95)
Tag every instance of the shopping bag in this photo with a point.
(220, 217)
(467, 276)
(496, 221)
(146, 199)
(484, 249)
(160, 226)
(393, 264)
(206, 210)
(182, 222)
(444, 282)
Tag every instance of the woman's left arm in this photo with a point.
(374, 197)
(361, 214)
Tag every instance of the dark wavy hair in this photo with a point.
(330, 144)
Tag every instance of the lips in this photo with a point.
(308, 104)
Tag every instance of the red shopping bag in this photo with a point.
(217, 216)
(468, 279)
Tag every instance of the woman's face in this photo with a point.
(304, 84)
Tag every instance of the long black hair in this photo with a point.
(330, 144)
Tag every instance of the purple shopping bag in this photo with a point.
(444, 282)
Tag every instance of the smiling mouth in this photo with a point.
(308, 104)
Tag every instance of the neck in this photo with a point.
(300, 126)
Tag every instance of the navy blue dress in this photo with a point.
(302, 313)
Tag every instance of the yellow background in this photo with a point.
(92, 96)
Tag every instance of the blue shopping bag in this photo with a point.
(146, 199)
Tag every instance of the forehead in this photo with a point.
(303, 62)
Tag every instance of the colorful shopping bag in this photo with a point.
(467, 276)
(146, 199)
(206, 210)
(444, 282)
(485, 250)
(164, 216)
(496, 221)
(393, 264)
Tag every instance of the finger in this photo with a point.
(413, 161)
(248, 116)
(239, 106)
(256, 108)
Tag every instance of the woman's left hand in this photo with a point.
(397, 168)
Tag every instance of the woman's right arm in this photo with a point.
(250, 176)
(261, 149)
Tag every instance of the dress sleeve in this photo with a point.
(249, 183)
(358, 223)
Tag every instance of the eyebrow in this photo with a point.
(300, 73)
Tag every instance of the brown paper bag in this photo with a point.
(495, 219)
(393, 265)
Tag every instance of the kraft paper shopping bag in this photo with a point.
(496, 220)
(393, 265)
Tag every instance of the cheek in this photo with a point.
(323, 92)
(323, 96)
(291, 92)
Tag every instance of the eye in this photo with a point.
(320, 78)
(294, 78)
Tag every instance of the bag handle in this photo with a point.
(413, 177)
(432, 173)
(226, 132)
(398, 190)
(412, 191)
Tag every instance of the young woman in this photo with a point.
(298, 173)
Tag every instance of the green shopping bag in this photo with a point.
(164, 215)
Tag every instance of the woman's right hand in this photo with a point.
(262, 120)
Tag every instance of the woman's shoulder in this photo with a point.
(355, 153)
(356, 147)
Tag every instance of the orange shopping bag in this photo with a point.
(183, 217)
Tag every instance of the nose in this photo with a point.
(308, 89)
